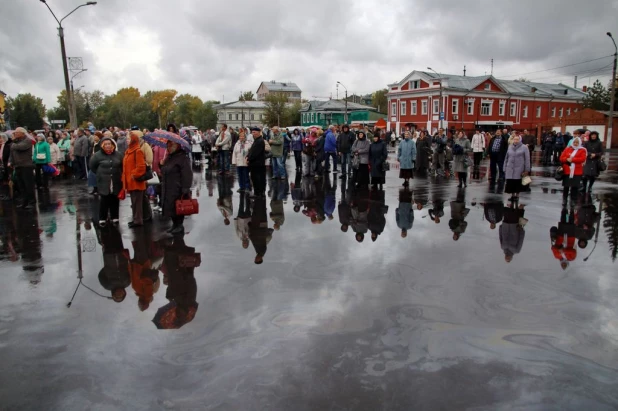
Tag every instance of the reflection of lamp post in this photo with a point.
(440, 113)
(345, 117)
(610, 120)
(70, 101)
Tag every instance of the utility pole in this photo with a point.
(345, 116)
(610, 120)
(464, 71)
(67, 87)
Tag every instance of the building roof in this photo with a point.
(3, 93)
(280, 86)
(335, 105)
(241, 105)
(521, 88)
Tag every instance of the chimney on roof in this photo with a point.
(585, 89)
(566, 91)
(533, 90)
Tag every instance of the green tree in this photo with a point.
(162, 103)
(610, 223)
(379, 100)
(123, 105)
(597, 98)
(274, 112)
(609, 93)
(246, 96)
(291, 114)
(207, 116)
(26, 111)
(187, 109)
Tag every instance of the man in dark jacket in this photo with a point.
(494, 212)
(21, 160)
(80, 151)
(530, 141)
(344, 146)
(256, 160)
(548, 148)
(498, 146)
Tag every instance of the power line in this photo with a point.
(591, 71)
(556, 68)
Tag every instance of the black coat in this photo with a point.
(6, 154)
(108, 169)
(423, 153)
(176, 179)
(257, 153)
(591, 168)
(115, 272)
(504, 146)
(377, 155)
(345, 141)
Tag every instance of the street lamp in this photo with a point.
(74, 106)
(441, 108)
(610, 120)
(345, 117)
(70, 101)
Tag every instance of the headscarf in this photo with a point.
(572, 156)
(113, 145)
(134, 137)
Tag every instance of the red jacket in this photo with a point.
(578, 161)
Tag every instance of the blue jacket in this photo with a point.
(297, 142)
(406, 154)
(330, 142)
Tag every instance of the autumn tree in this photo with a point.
(275, 108)
(187, 109)
(162, 103)
(379, 100)
(26, 111)
(123, 104)
(597, 98)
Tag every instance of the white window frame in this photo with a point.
(525, 112)
(488, 105)
(513, 109)
(553, 111)
(487, 86)
(252, 116)
(424, 104)
(312, 117)
(561, 112)
(455, 106)
(230, 116)
(436, 106)
(568, 112)
(236, 116)
(539, 110)
(403, 108)
(502, 108)
(394, 109)
(470, 108)
(415, 84)
(413, 108)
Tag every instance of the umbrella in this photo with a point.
(185, 133)
(166, 317)
(161, 137)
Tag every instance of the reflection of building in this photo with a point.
(590, 119)
(290, 90)
(484, 101)
(323, 113)
(241, 113)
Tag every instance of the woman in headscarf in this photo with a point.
(378, 152)
(423, 153)
(133, 168)
(516, 166)
(512, 233)
(406, 155)
(309, 154)
(461, 148)
(360, 149)
(239, 159)
(106, 164)
(41, 156)
(594, 148)
(54, 150)
(176, 183)
(572, 160)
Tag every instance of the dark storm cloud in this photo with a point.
(220, 48)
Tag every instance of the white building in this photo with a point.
(241, 113)
(291, 90)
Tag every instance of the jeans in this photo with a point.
(345, 161)
(439, 162)
(298, 159)
(224, 160)
(308, 165)
(108, 204)
(327, 157)
(278, 167)
(243, 178)
(496, 166)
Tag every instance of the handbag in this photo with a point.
(523, 221)
(190, 260)
(602, 165)
(386, 165)
(154, 181)
(526, 180)
(122, 194)
(466, 162)
(187, 206)
(147, 175)
(355, 162)
(559, 174)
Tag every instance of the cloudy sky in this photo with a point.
(219, 48)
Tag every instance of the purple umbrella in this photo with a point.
(161, 137)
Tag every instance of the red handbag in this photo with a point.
(187, 207)
(122, 194)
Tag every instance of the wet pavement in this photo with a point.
(430, 318)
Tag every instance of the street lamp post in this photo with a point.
(441, 108)
(70, 101)
(74, 106)
(610, 120)
(345, 116)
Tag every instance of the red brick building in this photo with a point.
(485, 102)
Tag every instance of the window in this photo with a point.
(485, 109)
(553, 111)
(487, 86)
(436, 106)
(501, 108)
(403, 108)
(513, 109)
(261, 117)
(229, 116)
(525, 112)
(393, 109)
(236, 116)
(538, 111)
(561, 112)
(413, 109)
(470, 107)
(415, 84)
(424, 107)
(252, 116)
(568, 111)
(455, 106)
(312, 117)
(575, 110)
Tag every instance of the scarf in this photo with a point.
(572, 156)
